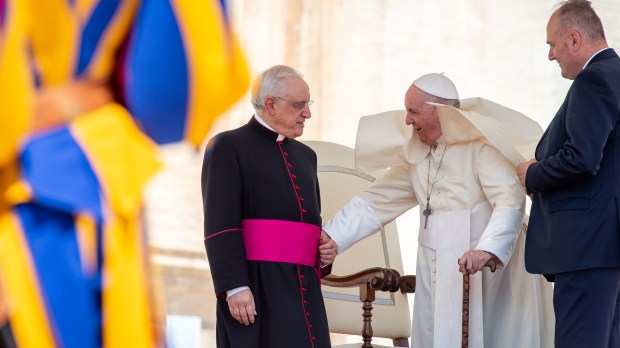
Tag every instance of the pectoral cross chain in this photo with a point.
(427, 212)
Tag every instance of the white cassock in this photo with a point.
(477, 202)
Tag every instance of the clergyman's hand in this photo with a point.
(327, 249)
(242, 307)
(473, 261)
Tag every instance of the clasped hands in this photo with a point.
(327, 249)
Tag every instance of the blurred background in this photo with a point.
(359, 57)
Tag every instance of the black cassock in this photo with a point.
(248, 174)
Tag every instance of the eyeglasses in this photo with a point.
(299, 105)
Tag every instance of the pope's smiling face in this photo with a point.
(422, 116)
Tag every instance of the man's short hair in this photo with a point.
(452, 102)
(271, 83)
(435, 99)
(579, 14)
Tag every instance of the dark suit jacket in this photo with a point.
(575, 217)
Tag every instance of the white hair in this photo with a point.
(271, 83)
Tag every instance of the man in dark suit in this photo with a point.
(574, 230)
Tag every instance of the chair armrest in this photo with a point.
(407, 284)
(379, 278)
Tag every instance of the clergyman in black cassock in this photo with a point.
(261, 192)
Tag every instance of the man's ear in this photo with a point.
(574, 38)
(270, 105)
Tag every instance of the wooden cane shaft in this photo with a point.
(465, 317)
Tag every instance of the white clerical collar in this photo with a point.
(261, 121)
(606, 48)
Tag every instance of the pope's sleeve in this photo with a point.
(387, 198)
(221, 192)
(500, 184)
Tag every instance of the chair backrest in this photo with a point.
(339, 182)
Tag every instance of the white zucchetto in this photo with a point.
(437, 85)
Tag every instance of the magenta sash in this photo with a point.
(281, 241)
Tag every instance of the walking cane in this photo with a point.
(465, 310)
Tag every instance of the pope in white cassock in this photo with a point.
(458, 163)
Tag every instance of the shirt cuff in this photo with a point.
(229, 293)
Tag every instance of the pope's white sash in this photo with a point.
(449, 235)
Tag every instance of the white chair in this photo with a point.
(365, 295)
